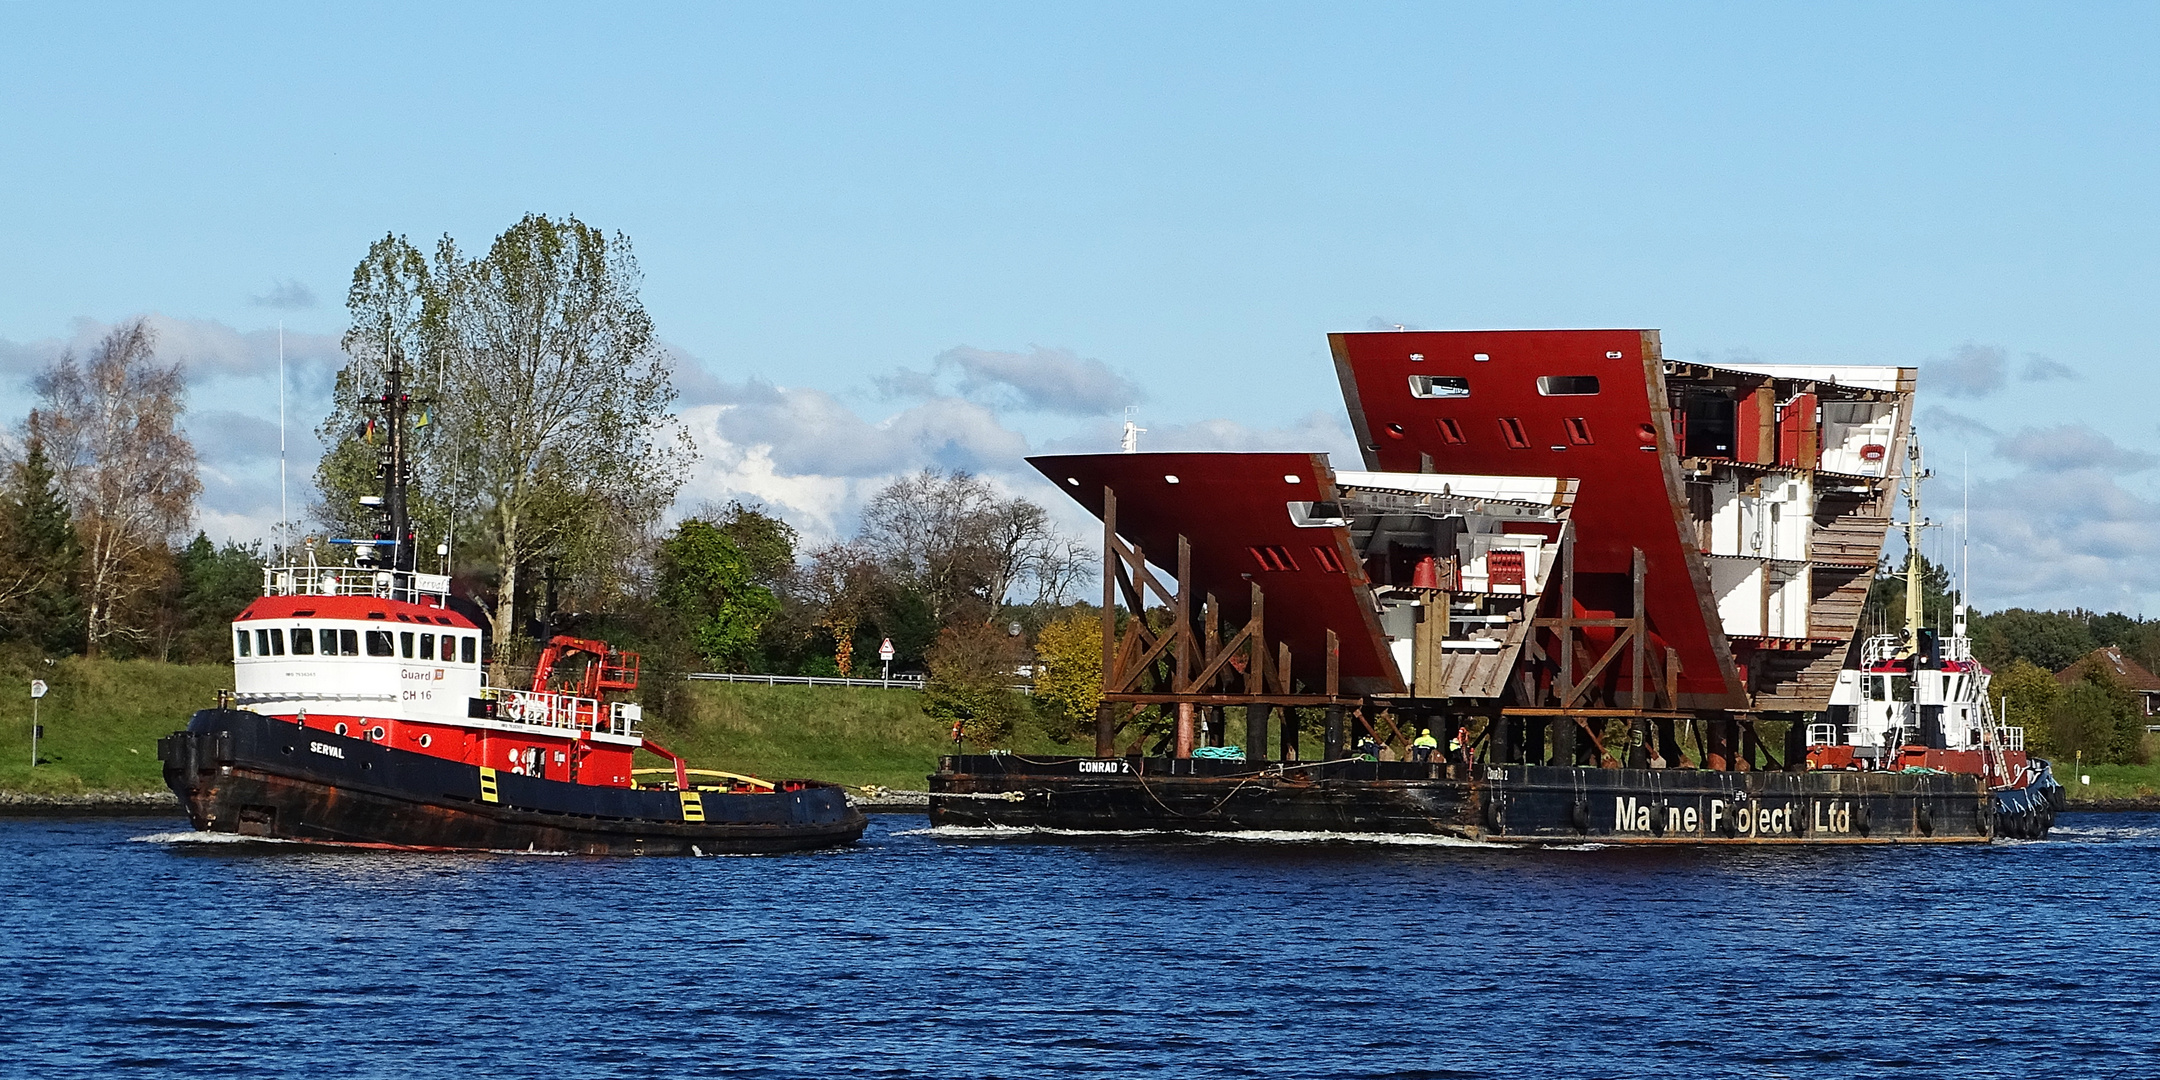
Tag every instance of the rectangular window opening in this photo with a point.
(405, 644)
(1439, 386)
(468, 652)
(348, 642)
(427, 646)
(1511, 430)
(277, 642)
(329, 642)
(240, 639)
(303, 642)
(1567, 385)
(1578, 430)
(1451, 432)
(379, 643)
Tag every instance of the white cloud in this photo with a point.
(204, 347)
(1045, 380)
(2041, 369)
(2070, 448)
(1969, 371)
(286, 295)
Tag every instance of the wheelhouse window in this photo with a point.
(469, 652)
(348, 642)
(303, 642)
(240, 644)
(329, 641)
(379, 644)
(427, 646)
(277, 642)
(405, 644)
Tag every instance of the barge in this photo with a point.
(1625, 591)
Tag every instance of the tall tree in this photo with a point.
(545, 397)
(950, 538)
(843, 586)
(111, 427)
(40, 559)
(708, 583)
(556, 411)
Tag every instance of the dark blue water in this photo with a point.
(916, 955)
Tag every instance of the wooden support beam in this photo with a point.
(1672, 677)
(1334, 665)
(1612, 652)
(1565, 687)
(1147, 659)
(1181, 665)
(1109, 598)
(1143, 697)
(1641, 630)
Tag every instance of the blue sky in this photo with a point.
(881, 236)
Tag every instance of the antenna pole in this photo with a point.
(1914, 474)
(283, 503)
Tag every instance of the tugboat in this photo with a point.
(1621, 593)
(362, 715)
(1918, 704)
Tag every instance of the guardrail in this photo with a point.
(897, 682)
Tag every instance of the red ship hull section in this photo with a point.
(1617, 441)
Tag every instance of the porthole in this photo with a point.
(376, 733)
(340, 729)
(426, 741)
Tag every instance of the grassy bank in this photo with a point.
(852, 735)
(2110, 783)
(102, 721)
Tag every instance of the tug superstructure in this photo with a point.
(362, 714)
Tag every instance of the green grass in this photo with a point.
(2108, 781)
(102, 721)
(853, 735)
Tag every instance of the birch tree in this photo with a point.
(110, 426)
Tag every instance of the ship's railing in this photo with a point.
(2013, 738)
(1879, 648)
(1957, 648)
(1822, 735)
(897, 682)
(565, 711)
(353, 581)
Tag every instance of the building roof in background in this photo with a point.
(2124, 670)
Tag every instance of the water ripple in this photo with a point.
(934, 953)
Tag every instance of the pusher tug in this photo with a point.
(1631, 587)
(361, 715)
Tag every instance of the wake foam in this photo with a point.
(1245, 836)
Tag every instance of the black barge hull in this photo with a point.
(240, 772)
(1516, 804)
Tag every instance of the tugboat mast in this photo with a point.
(394, 402)
(1914, 474)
